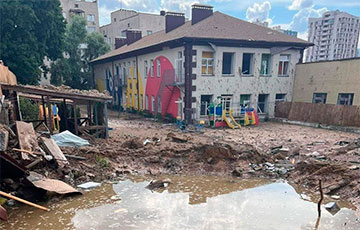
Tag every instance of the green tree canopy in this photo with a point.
(73, 69)
(29, 31)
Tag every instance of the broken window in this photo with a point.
(146, 102)
(228, 63)
(134, 69)
(152, 104)
(226, 100)
(207, 63)
(146, 68)
(263, 103)
(280, 97)
(319, 98)
(345, 98)
(245, 100)
(265, 64)
(247, 64)
(179, 67)
(284, 65)
(159, 104)
(205, 102)
(152, 67)
(158, 68)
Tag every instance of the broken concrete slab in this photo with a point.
(50, 185)
(53, 149)
(27, 138)
(332, 207)
(89, 185)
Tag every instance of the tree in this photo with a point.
(29, 31)
(73, 69)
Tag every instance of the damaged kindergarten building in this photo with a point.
(181, 70)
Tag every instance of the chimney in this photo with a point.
(173, 20)
(120, 41)
(200, 12)
(132, 35)
(162, 12)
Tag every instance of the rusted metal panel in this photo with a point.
(50, 185)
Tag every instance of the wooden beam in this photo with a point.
(50, 126)
(65, 114)
(75, 119)
(44, 111)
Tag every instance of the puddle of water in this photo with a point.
(187, 203)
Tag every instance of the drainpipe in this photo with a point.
(188, 82)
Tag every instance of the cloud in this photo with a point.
(104, 15)
(140, 5)
(300, 4)
(259, 12)
(300, 20)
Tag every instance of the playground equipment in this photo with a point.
(222, 114)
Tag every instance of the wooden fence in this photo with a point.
(341, 115)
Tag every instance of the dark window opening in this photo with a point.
(319, 98)
(247, 64)
(205, 102)
(227, 65)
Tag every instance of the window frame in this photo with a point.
(251, 65)
(283, 65)
(232, 69)
(151, 67)
(158, 68)
(203, 110)
(268, 65)
(348, 94)
(314, 98)
(207, 65)
(146, 68)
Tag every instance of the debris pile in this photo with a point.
(30, 166)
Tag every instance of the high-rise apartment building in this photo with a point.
(335, 36)
(123, 19)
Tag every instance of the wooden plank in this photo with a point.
(27, 138)
(50, 126)
(75, 119)
(53, 149)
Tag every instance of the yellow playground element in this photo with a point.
(230, 121)
(250, 120)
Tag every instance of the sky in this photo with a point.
(289, 14)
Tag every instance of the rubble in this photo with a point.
(89, 185)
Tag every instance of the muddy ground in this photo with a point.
(301, 155)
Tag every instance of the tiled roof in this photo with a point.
(217, 26)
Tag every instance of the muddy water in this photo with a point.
(187, 203)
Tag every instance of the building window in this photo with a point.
(91, 29)
(247, 64)
(319, 98)
(226, 100)
(179, 67)
(124, 73)
(284, 65)
(159, 104)
(91, 18)
(263, 103)
(114, 19)
(128, 70)
(134, 70)
(146, 102)
(205, 102)
(149, 32)
(265, 64)
(152, 104)
(146, 68)
(280, 97)
(152, 67)
(245, 100)
(158, 67)
(207, 63)
(228, 63)
(345, 99)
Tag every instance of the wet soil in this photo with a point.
(300, 155)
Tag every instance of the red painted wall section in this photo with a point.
(162, 86)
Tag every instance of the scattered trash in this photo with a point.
(89, 185)
(305, 197)
(332, 207)
(68, 139)
(158, 184)
(50, 185)
(147, 141)
(176, 138)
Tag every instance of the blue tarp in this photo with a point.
(67, 139)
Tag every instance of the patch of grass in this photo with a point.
(102, 162)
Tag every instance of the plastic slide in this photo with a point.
(230, 121)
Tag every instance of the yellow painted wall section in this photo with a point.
(132, 91)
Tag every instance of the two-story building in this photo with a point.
(211, 58)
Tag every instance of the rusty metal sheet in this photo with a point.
(3, 213)
(51, 185)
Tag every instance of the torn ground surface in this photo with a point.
(301, 155)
